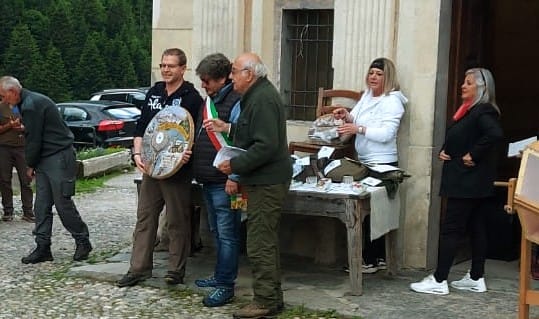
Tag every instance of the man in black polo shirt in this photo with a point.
(174, 192)
(50, 158)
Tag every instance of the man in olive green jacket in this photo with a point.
(265, 172)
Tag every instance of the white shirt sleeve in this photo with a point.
(384, 128)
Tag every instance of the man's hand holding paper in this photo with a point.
(225, 154)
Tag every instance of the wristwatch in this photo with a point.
(361, 129)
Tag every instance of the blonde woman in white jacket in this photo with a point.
(375, 121)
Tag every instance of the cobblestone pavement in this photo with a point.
(56, 290)
(46, 290)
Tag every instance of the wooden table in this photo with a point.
(351, 210)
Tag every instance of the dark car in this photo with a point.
(100, 123)
(134, 96)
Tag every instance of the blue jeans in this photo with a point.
(224, 224)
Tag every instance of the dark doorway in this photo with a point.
(501, 36)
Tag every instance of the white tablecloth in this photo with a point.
(385, 212)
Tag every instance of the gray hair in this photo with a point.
(8, 83)
(258, 68)
(486, 89)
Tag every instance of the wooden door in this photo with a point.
(470, 21)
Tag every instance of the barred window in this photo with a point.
(307, 51)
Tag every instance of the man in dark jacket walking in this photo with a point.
(224, 223)
(50, 158)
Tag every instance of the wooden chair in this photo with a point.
(326, 105)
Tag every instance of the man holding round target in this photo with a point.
(155, 149)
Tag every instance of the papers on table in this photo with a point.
(331, 166)
(325, 151)
(383, 168)
(297, 167)
(226, 153)
(516, 147)
(335, 188)
(370, 181)
(303, 161)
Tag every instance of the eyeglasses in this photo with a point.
(170, 66)
(234, 71)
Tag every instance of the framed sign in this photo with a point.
(527, 189)
(526, 200)
(167, 137)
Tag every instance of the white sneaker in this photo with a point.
(429, 285)
(368, 269)
(467, 283)
(381, 264)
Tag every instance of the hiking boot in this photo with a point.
(429, 285)
(208, 282)
(467, 283)
(173, 278)
(131, 279)
(38, 255)
(218, 297)
(256, 311)
(29, 217)
(7, 217)
(82, 251)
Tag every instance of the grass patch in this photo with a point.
(97, 257)
(300, 312)
(59, 272)
(95, 152)
(91, 184)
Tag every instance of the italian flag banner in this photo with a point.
(217, 139)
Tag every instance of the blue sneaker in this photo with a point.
(208, 282)
(218, 297)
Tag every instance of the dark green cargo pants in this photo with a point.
(264, 215)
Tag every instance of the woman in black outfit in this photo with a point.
(469, 171)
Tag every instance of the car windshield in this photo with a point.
(129, 112)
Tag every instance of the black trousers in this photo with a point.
(55, 184)
(460, 214)
(376, 249)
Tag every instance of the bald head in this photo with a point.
(246, 69)
(249, 57)
(252, 62)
